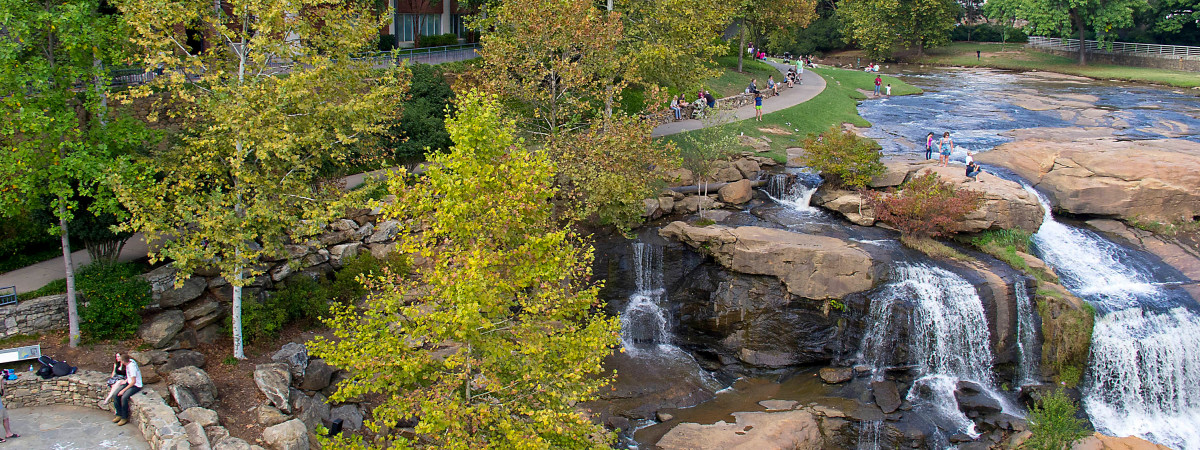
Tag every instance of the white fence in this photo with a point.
(1129, 48)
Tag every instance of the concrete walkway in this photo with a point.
(813, 85)
(31, 278)
(70, 428)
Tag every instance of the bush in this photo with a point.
(437, 40)
(924, 207)
(421, 124)
(345, 287)
(1053, 424)
(1018, 239)
(260, 320)
(113, 297)
(844, 158)
(386, 43)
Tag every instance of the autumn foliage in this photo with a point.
(924, 206)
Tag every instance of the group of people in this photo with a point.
(125, 380)
(945, 147)
(703, 99)
(879, 83)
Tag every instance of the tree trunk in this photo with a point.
(238, 351)
(1082, 33)
(742, 46)
(69, 266)
(921, 47)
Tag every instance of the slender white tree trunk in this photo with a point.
(69, 266)
(238, 351)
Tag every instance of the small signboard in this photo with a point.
(20, 353)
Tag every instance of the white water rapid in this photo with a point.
(794, 194)
(948, 339)
(1143, 377)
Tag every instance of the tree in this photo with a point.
(1053, 424)
(673, 42)
(421, 125)
(769, 15)
(272, 99)
(842, 157)
(878, 26)
(703, 147)
(924, 207)
(496, 334)
(57, 133)
(1060, 17)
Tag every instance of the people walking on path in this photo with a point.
(929, 146)
(878, 83)
(946, 146)
(133, 385)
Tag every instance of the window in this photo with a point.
(430, 24)
(457, 27)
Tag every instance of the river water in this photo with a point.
(1143, 376)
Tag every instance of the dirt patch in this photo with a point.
(775, 130)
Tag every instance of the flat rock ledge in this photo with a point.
(810, 266)
(753, 430)
(149, 413)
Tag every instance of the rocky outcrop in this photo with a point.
(811, 266)
(1067, 325)
(160, 329)
(1005, 204)
(273, 381)
(1099, 441)
(1143, 179)
(752, 430)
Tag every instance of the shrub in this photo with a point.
(345, 287)
(260, 320)
(1053, 423)
(437, 40)
(924, 207)
(386, 43)
(844, 158)
(302, 298)
(113, 300)
(421, 124)
(1016, 238)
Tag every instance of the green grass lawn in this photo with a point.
(837, 104)
(1017, 57)
(732, 82)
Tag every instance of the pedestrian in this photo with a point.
(878, 83)
(753, 88)
(978, 56)
(8, 434)
(973, 171)
(888, 91)
(946, 145)
(116, 379)
(758, 99)
(133, 385)
(929, 146)
(712, 101)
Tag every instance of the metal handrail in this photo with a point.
(1130, 48)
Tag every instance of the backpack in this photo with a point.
(62, 369)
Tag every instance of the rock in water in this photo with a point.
(736, 193)
(753, 430)
(835, 375)
(887, 396)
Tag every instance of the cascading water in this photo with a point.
(948, 339)
(788, 189)
(868, 434)
(1027, 345)
(1144, 372)
(644, 323)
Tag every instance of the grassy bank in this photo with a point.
(1017, 57)
(837, 104)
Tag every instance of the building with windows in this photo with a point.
(412, 19)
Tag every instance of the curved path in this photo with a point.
(813, 85)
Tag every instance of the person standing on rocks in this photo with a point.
(929, 146)
(946, 146)
(8, 434)
(133, 385)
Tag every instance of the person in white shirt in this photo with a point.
(133, 385)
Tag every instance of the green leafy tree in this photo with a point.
(844, 158)
(879, 26)
(273, 99)
(495, 335)
(1067, 17)
(673, 42)
(115, 297)
(1053, 424)
(422, 119)
(766, 16)
(57, 133)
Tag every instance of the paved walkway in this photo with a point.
(30, 278)
(813, 85)
(70, 428)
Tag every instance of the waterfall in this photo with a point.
(948, 338)
(787, 189)
(1143, 377)
(1027, 344)
(644, 323)
(868, 435)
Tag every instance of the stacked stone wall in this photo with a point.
(34, 316)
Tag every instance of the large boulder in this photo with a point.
(1144, 179)
(313, 410)
(203, 416)
(317, 375)
(1099, 441)
(351, 416)
(182, 358)
(692, 204)
(290, 435)
(160, 329)
(295, 355)
(887, 395)
(274, 381)
(163, 291)
(811, 266)
(736, 193)
(753, 431)
(197, 382)
(267, 415)
(835, 375)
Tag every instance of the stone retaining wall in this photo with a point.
(149, 412)
(1123, 59)
(34, 316)
(735, 101)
